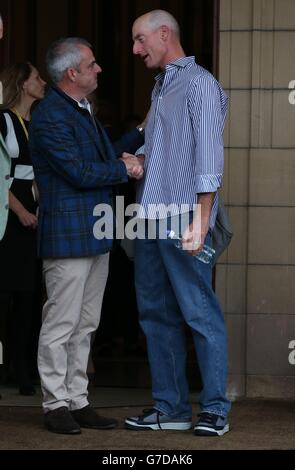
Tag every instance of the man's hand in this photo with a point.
(194, 236)
(134, 165)
(192, 239)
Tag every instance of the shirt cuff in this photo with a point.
(208, 183)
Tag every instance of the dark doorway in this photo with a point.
(31, 25)
(119, 352)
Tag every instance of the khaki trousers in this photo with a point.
(75, 288)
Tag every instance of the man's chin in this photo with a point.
(93, 88)
(149, 64)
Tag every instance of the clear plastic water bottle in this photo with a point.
(206, 255)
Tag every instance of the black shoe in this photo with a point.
(28, 390)
(210, 424)
(154, 419)
(61, 421)
(88, 418)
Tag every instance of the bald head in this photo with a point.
(156, 39)
(157, 18)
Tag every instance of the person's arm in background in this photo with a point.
(131, 140)
(26, 218)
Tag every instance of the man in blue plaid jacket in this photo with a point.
(76, 168)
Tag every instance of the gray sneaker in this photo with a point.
(154, 419)
(210, 424)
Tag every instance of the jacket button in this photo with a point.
(6, 206)
(7, 177)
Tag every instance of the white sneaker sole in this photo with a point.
(204, 431)
(155, 427)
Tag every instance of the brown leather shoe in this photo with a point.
(88, 418)
(61, 421)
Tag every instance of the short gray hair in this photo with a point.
(62, 55)
(158, 18)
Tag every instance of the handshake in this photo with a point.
(134, 165)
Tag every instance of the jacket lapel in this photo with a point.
(95, 130)
(108, 146)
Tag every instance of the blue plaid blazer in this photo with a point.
(76, 167)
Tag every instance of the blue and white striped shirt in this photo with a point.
(183, 140)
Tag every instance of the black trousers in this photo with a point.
(18, 335)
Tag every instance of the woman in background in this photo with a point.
(4, 170)
(22, 86)
(4, 167)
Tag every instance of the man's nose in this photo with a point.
(136, 48)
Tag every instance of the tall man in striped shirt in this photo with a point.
(183, 160)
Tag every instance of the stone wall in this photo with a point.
(255, 279)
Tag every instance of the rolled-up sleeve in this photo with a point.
(208, 183)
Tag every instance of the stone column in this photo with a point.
(255, 279)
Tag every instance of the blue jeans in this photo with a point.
(173, 288)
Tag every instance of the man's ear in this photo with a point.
(71, 74)
(164, 32)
